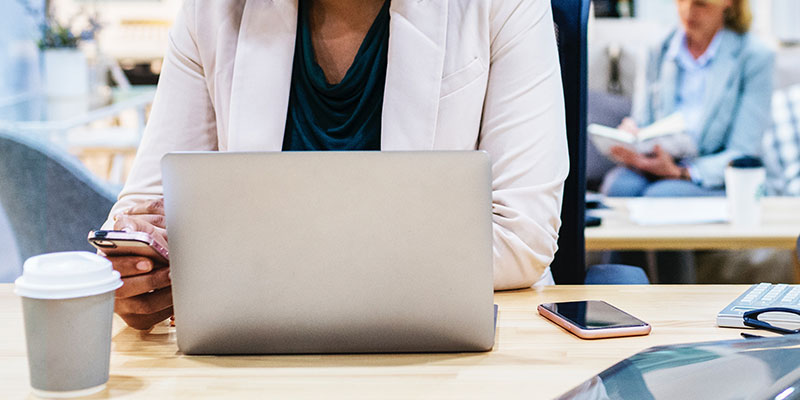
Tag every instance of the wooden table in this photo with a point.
(532, 358)
(780, 229)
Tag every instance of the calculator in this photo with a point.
(758, 296)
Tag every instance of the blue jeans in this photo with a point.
(625, 182)
(675, 266)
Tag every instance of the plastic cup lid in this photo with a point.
(66, 275)
(746, 162)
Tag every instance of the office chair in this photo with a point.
(51, 200)
(569, 266)
(571, 18)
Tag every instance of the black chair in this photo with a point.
(51, 200)
(571, 18)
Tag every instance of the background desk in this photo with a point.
(780, 229)
(532, 358)
(92, 127)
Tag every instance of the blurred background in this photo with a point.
(77, 77)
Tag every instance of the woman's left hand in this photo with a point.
(660, 163)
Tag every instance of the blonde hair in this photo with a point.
(738, 16)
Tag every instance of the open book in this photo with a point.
(669, 133)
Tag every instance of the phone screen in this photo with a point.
(593, 314)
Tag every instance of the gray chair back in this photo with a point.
(51, 200)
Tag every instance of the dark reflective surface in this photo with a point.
(737, 369)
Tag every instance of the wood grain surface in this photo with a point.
(532, 358)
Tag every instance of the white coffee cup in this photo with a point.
(744, 188)
(68, 307)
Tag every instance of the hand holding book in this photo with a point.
(669, 134)
(658, 163)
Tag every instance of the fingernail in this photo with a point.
(143, 266)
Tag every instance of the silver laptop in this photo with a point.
(330, 252)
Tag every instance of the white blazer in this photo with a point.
(461, 75)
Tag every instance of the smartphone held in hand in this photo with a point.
(122, 243)
(593, 319)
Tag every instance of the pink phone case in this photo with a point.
(120, 243)
(593, 333)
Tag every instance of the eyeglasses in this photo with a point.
(751, 319)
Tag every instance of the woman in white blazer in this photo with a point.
(460, 75)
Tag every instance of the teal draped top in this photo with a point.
(342, 116)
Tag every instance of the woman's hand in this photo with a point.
(660, 163)
(145, 297)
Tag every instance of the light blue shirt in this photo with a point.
(690, 95)
(693, 74)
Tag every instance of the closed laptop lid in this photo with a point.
(319, 252)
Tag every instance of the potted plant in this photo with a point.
(64, 65)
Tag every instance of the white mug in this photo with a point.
(744, 188)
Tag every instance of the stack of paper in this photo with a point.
(688, 210)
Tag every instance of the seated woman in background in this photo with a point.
(719, 77)
(360, 75)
